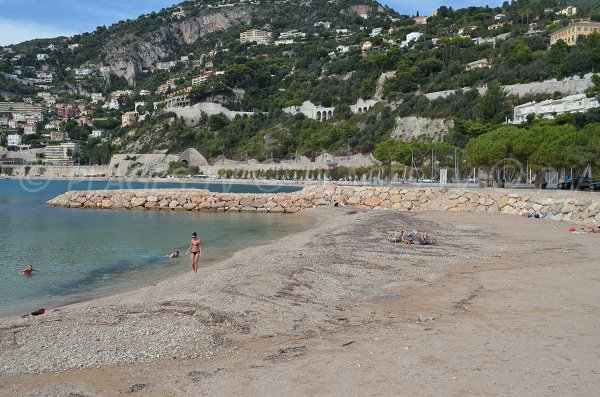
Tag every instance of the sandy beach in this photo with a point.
(504, 305)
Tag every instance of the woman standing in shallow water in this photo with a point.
(196, 250)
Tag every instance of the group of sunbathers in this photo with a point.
(410, 237)
(585, 230)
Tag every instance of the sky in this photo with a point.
(22, 20)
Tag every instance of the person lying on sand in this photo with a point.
(539, 215)
(28, 271)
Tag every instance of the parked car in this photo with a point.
(580, 183)
(595, 186)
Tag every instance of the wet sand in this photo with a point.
(503, 306)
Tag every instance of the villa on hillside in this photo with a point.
(292, 34)
(578, 103)
(178, 101)
(179, 13)
(82, 72)
(412, 36)
(569, 11)
(128, 118)
(479, 64)
(570, 34)
(375, 32)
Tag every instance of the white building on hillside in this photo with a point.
(362, 105)
(292, 34)
(44, 77)
(311, 111)
(578, 103)
(82, 72)
(569, 11)
(375, 32)
(322, 24)
(412, 36)
(165, 65)
(14, 140)
(284, 42)
(113, 104)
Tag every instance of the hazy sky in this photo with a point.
(22, 20)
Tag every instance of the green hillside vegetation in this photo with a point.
(266, 78)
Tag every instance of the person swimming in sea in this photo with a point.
(174, 254)
(28, 271)
(196, 250)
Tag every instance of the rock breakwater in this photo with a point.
(578, 207)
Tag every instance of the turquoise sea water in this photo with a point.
(82, 253)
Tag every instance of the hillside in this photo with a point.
(330, 53)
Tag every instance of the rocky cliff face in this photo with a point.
(129, 54)
(421, 129)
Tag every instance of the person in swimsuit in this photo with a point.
(28, 271)
(174, 254)
(196, 250)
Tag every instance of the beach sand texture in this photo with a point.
(504, 306)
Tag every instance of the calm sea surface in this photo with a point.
(83, 253)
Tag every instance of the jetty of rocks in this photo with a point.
(578, 207)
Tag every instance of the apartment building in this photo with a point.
(577, 103)
(570, 34)
(59, 153)
(14, 140)
(203, 76)
(256, 36)
(20, 110)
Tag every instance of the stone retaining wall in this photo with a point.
(578, 207)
